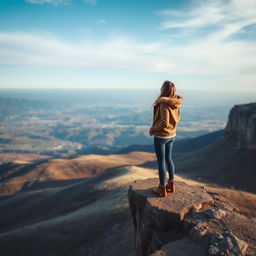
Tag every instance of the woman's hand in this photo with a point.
(150, 131)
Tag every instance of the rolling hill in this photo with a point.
(221, 163)
(80, 211)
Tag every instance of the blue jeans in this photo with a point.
(163, 149)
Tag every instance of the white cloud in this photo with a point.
(226, 17)
(58, 2)
(234, 60)
(53, 2)
(203, 42)
(24, 49)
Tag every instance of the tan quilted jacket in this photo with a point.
(166, 116)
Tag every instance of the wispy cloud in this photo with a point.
(207, 36)
(235, 60)
(52, 2)
(24, 49)
(90, 1)
(102, 21)
(225, 18)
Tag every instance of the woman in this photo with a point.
(165, 120)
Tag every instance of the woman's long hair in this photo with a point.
(168, 90)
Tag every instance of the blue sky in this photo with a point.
(207, 45)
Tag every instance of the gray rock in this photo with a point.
(187, 223)
(171, 210)
(183, 247)
(226, 244)
(197, 232)
(241, 125)
(216, 213)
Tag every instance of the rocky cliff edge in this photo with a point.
(192, 222)
(241, 126)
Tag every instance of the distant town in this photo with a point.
(67, 127)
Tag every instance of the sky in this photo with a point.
(204, 45)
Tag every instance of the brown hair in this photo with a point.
(168, 89)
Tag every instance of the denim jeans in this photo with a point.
(163, 150)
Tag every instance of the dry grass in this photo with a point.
(17, 179)
(244, 201)
(22, 158)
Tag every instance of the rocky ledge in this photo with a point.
(192, 222)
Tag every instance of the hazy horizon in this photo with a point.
(143, 97)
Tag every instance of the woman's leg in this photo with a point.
(159, 146)
(168, 158)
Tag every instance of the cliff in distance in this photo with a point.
(241, 126)
(190, 222)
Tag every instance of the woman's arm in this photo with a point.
(173, 101)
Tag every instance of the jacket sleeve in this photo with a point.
(165, 118)
(174, 101)
(179, 100)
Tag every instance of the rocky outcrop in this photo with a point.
(191, 222)
(241, 126)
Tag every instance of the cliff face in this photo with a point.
(191, 222)
(241, 126)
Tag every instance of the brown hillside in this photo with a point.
(56, 172)
(86, 215)
(221, 163)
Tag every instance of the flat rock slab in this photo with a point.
(170, 210)
(169, 226)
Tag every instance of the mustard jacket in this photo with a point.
(166, 116)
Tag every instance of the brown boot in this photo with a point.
(170, 187)
(160, 190)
